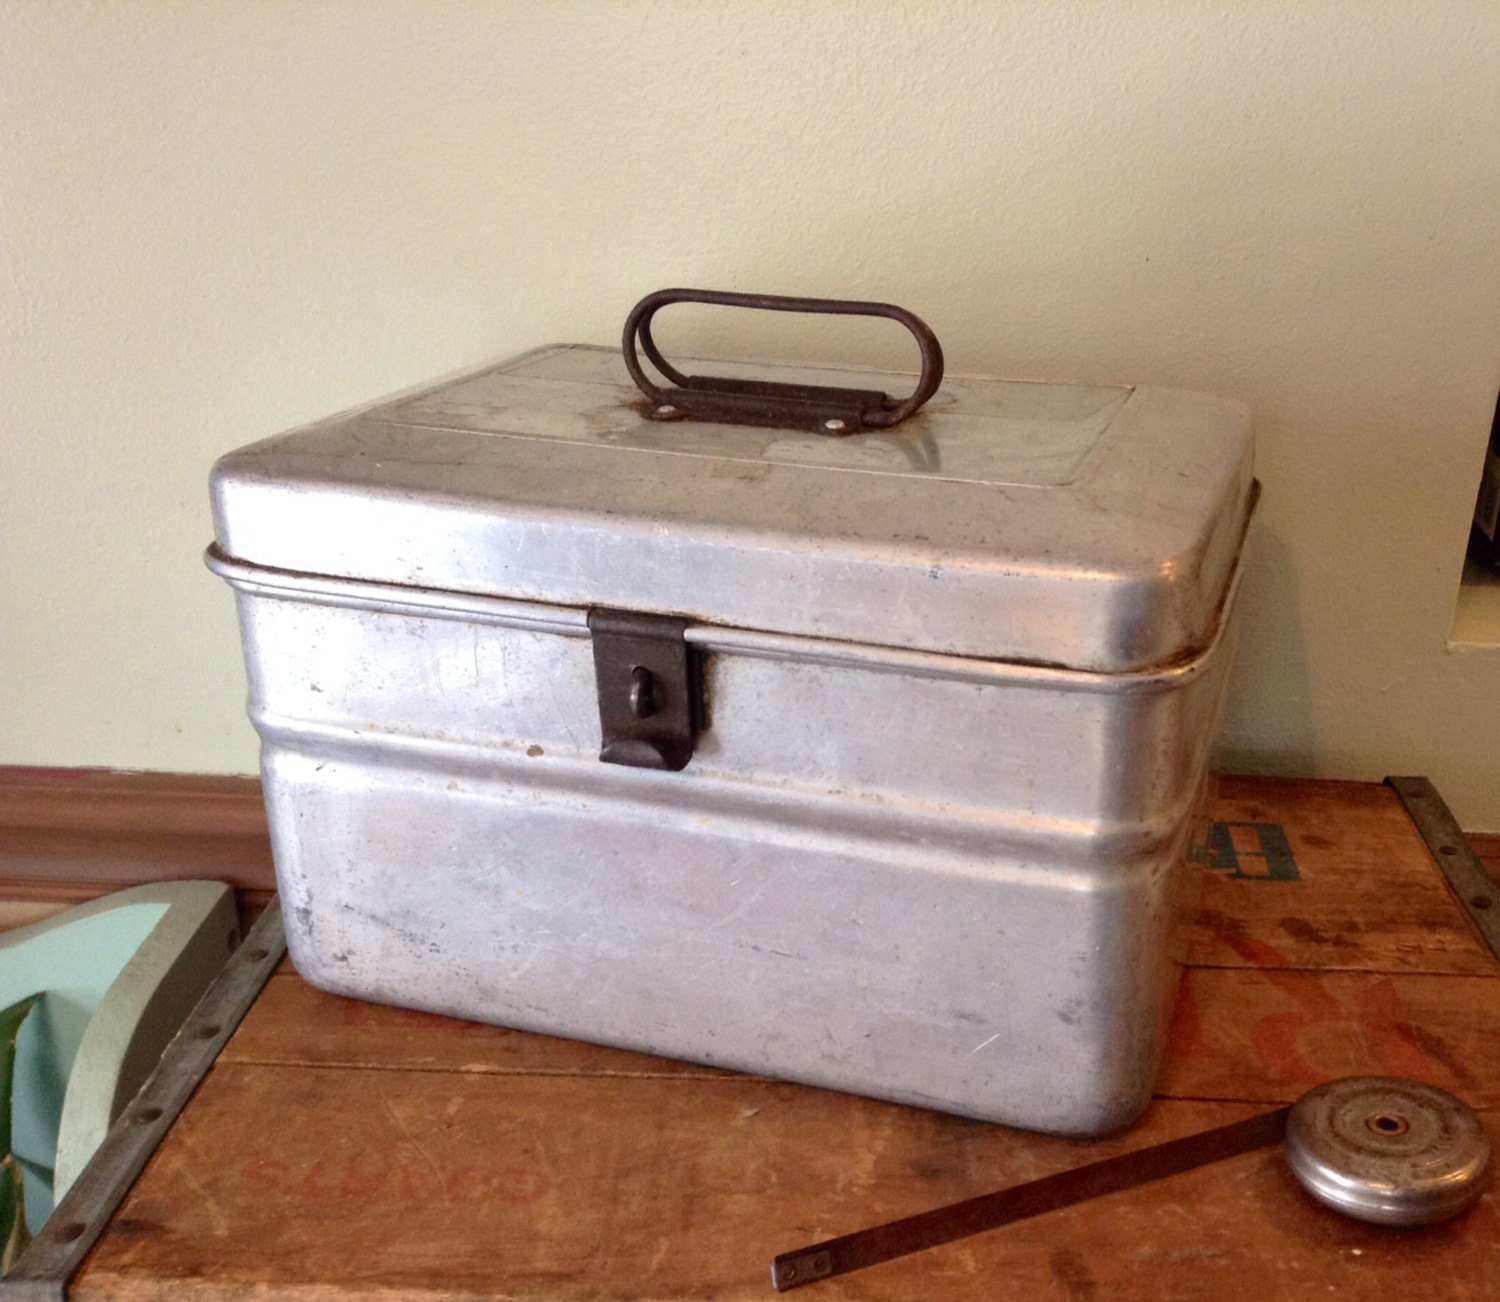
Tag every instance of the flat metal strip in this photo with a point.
(990, 1211)
(1471, 885)
(44, 1269)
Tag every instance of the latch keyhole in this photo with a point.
(642, 692)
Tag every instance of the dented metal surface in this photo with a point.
(891, 865)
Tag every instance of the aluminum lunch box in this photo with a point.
(757, 719)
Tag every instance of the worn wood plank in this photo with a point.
(1487, 847)
(24, 911)
(108, 829)
(1271, 1034)
(302, 1183)
(1302, 874)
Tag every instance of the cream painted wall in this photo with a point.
(220, 219)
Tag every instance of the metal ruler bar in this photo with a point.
(43, 1270)
(990, 1211)
(1466, 876)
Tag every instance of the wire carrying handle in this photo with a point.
(822, 409)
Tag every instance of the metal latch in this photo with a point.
(650, 689)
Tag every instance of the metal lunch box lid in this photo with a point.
(1090, 527)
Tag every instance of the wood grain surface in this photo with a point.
(1366, 896)
(1487, 846)
(76, 833)
(310, 1183)
(340, 1150)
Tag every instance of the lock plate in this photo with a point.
(650, 689)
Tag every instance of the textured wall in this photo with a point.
(220, 219)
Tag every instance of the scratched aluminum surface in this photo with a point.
(940, 878)
(1090, 527)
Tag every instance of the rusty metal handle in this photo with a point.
(826, 410)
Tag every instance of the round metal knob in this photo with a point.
(1391, 1151)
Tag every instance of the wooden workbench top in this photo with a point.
(341, 1150)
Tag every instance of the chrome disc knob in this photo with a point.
(1391, 1151)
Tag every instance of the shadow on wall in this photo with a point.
(1268, 718)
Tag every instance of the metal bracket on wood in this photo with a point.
(44, 1269)
(1472, 886)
